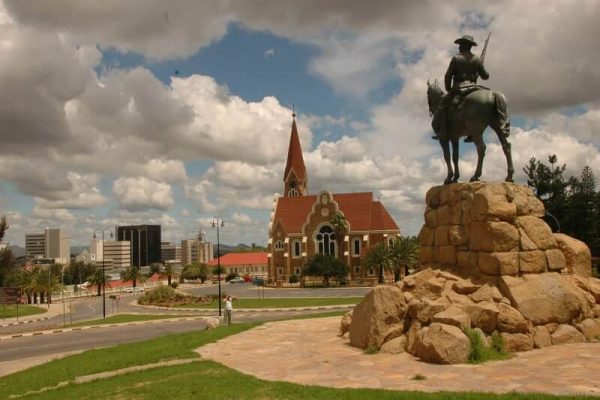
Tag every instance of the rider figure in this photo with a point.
(460, 80)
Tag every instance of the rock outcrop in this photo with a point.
(488, 263)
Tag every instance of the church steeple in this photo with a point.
(295, 177)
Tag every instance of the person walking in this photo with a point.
(228, 309)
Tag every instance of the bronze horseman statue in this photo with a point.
(467, 109)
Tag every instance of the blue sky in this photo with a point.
(172, 113)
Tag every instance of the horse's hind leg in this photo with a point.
(455, 154)
(506, 148)
(478, 139)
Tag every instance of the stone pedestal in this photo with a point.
(494, 229)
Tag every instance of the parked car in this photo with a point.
(134, 289)
(237, 279)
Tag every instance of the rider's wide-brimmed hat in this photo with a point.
(466, 39)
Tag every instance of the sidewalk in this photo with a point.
(54, 310)
(328, 360)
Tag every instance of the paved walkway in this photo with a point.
(52, 311)
(309, 352)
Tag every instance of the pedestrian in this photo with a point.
(228, 309)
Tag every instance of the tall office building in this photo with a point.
(52, 244)
(145, 243)
(117, 253)
(170, 252)
(35, 245)
(196, 251)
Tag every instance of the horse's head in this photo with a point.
(434, 95)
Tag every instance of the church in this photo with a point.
(302, 224)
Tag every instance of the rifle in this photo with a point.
(485, 47)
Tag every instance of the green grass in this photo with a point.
(10, 311)
(121, 318)
(282, 302)
(210, 380)
(481, 353)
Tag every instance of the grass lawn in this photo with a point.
(199, 380)
(120, 318)
(10, 311)
(282, 302)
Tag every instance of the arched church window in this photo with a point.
(356, 247)
(293, 192)
(325, 239)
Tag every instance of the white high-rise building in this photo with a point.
(117, 253)
(96, 249)
(194, 251)
(53, 244)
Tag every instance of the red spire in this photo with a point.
(295, 160)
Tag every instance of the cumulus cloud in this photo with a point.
(142, 193)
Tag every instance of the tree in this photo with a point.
(169, 272)
(203, 268)
(379, 258)
(404, 252)
(3, 227)
(99, 280)
(549, 185)
(582, 215)
(326, 266)
(155, 268)
(340, 226)
(133, 274)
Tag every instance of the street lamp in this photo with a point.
(216, 223)
(103, 271)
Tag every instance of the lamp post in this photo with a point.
(103, 271)
(217, 223)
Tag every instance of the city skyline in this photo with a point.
(171, 113)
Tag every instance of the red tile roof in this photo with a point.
(228, 259)
(295, 160)
(361, 212)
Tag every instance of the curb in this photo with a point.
(83, 328)
(25, 322)
(210, 311)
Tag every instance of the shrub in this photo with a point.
(480, 352)
(371, 350)
(294, 278)
(174, 285)
(167, 296)
(230, 276)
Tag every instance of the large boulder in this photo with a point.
(442, 344)
(537, 231)
(545, 298)
(483, 315)
(378, 317)
(517, 341)
(394, 346)
(541, 337)
(511, 321)
(567, 334)
(454, 316)
(577, 254)
(590, 328)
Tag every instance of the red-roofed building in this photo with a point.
(254, 264)
(301, 224)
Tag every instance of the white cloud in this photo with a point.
(60, 215)
(269, 52)
(141, 193)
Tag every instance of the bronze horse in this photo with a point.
(477, 111)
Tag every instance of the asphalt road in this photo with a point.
(90, 308)
(57, 343)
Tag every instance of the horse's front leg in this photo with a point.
(446, 149)
(478, 139)
(455, 157)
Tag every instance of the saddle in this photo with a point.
(463, 91)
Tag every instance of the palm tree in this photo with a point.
(379, 258)
(340, 226)
(99, 280)
(405, 255)
(169, 272)
(133, 274)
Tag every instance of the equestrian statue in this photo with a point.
(468, 109)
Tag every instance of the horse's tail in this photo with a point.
(502, 113)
